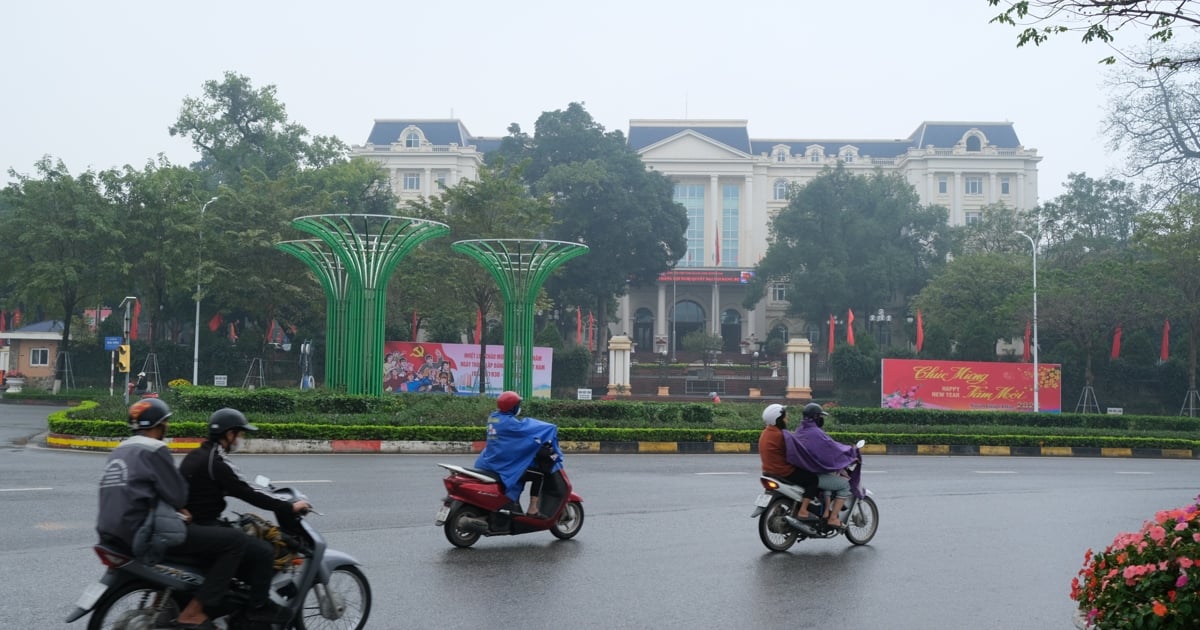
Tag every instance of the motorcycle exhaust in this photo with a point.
(799, 526)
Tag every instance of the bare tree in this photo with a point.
(1100, 20)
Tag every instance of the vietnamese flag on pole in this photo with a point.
(920, 331)
(16, 319)
(850, 326)
(591, 332)
(137, 310)
(578, 326)
(832, 332)
(1025, 355)
(1164, 353)
(3, 320)
(478, 325)
(1116, 345)
(215, 322)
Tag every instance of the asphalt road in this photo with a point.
(964, 542)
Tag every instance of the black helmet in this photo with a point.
(225, 419)
(148, 413)
(814, 411)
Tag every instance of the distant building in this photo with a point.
(731, 185)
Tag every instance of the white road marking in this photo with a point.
(1132, 472)
(23, 489)
(723, 473)
(995, 472)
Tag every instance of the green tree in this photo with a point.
(977, 299)
(852, 242)
(1100, 21)
(63, 242)
(1093, 214)
(603, 196)
(993, 232)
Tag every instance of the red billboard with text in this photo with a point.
(969, 385)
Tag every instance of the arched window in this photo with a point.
(781, 189)
(412, 140)
(974, 143)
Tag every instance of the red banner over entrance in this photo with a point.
(969, 385)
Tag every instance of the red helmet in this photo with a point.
(509, 402)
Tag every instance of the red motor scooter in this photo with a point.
(473, 501)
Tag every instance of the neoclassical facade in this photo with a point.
(731, 184)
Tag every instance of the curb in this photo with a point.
(270, 446)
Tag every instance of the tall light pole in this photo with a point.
(196, 336)
(1033, 246)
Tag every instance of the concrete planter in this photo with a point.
(15, 385)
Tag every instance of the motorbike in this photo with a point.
(779, 529)
(473, 502)
(320, 587)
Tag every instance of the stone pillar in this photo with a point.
(619, 348)
(799, 354)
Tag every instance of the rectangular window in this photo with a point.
(39, 357)
(815, 157)
(972, 218)
(412, 181)
(943, 185)
(974, 186)
(1004, 186)
(730, 202)
(778, 292)
(691, 197)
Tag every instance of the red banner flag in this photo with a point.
(850, 326)
(232, 332)
(1025, 354)
(832, 331)
(591, 332)
(215, 322)
(478, 325)
(1116, 346)
(1164, 353)
(920, 331)
(16, 320)
(717, 226)
(578, 326)
(137, 311)
(3, 321)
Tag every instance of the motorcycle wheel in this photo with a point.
(458, 535)
(132, 607)
(862, 522)
(569, 523)
(774, 532)
(351, 595)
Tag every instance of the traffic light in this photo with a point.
(123, 358)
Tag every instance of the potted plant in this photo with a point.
(1144, 579)
(15, 381)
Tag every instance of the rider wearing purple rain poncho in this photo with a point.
(810, 448)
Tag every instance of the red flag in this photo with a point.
(137, 311)
(270, 331)
(215, 322)
(591, 332)
(414, 326)
(16, 320)
(850, 327)
(232, 332)
(832, 332)
(1025, 355)
(1164, 354)
(1116, 347)
(717, 225)
(3, 320)
(920, 331)
(478, 325)
(578, 326)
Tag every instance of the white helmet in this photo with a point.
(773, 413)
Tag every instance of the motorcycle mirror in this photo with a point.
(860, 444)
(262, 482)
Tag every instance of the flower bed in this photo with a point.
(1145, 579)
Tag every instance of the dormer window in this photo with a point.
(974, 144)
(849, 154)
(411, 137)
(815, 153)
(781, 152)
(973, 141)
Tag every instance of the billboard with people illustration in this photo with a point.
(969, 385)
(453, 368)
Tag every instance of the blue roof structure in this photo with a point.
(49, 325)
(437, 132)
(738, 138)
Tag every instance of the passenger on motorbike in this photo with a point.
(139, 474)
(810, 448)
(773, 454)
(211, 477)
(519, 450)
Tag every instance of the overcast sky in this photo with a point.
(97, 84)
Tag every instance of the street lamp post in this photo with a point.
(883, 323)
(1033, 246)
(196, 336)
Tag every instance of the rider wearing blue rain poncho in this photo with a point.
(514, 446)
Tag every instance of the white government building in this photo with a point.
(731, 185)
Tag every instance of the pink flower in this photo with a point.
(1180, 526)
(1182, 581)
(1185, 562)
(1157, 534)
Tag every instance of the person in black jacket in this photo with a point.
(211, 477)
(139, 473)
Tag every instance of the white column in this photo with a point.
(618, 365)
(956, 205)
(799, 376)
(716, 309)
(1021, 191)
(427, 184)
(993, 188)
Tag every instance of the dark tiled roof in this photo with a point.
(947, 134)
(738, 138)
(437, 132)
(49, 325)
(873, 148)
